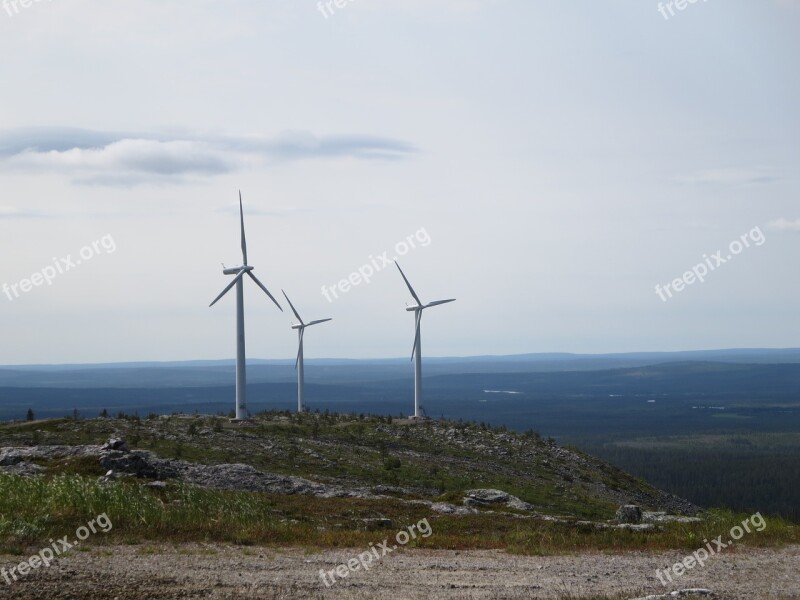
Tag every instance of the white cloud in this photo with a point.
(784, 224)
(12, 212)
(126, 159)
(730, 176)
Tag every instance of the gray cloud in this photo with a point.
(730, 176)
(118, 158)
(12, 212)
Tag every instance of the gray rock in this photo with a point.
(116, 444)
(489, 497)
(628, 513)
(662, 517)
(687, 593)
(12, 456)
(24, 469)
(378, 523)
(140, 463)
(108, 477)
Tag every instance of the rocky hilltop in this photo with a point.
(456, 468)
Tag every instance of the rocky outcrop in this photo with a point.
(236, 477)
(116, 444)
(139, 463)
(119, 461)
(12, 456)
(687, 593)
(629, 513)
(488, 497)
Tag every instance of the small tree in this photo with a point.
(104, 413)
(30, 416)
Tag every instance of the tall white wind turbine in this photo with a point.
(298, 364)
(238, 281)
(416, 353)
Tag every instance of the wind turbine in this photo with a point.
(301, 327)
(416, 353)
(238, 281)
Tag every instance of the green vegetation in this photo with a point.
(429, 459)
(36, 509)
(762, 468)
(436, 461)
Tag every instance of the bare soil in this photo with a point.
(215, 571)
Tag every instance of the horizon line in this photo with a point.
(554, 354)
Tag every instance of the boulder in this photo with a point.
(629, 514)
(377, 523)
(116, 444)
(489, 497)
(24, 469)
(139, 463)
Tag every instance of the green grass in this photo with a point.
(34, 510)
(349, 449)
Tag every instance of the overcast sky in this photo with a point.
(551, 161)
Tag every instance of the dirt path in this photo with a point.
(218, 571)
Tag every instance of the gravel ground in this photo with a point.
(140, 572)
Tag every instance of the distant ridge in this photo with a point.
(736, 355)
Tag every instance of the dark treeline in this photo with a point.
(748, 480)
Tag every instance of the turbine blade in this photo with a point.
(438, 302)
(410, 289)
(266, 291)
(416, 335)
(318, 321)
(294, 310)
(244, 241)
(228, 287)
(299, 348)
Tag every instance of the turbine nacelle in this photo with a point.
(418, 308)
(240, 272)
(236, 270)
(301, 327)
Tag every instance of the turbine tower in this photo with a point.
(298, 364)
(416, 353)
(238, 281)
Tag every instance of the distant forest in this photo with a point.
(745, 478)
